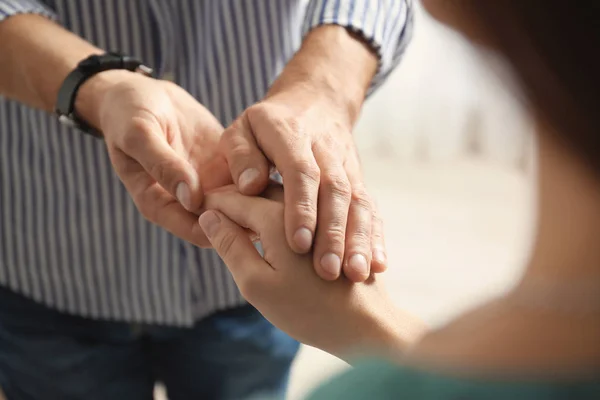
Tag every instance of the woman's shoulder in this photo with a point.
(375, 379)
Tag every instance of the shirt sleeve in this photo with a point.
(9, 8)
(386, 25)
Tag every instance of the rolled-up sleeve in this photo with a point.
(9, 8)
(386, 25)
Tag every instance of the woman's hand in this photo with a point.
(336, 316)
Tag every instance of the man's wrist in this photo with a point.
(89, 97)
(332, 64)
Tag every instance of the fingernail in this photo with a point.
(247, 178)
(379, 256)
(358, 262)
(303, 239)
(209, 222)
(184, 195)
(331, 264)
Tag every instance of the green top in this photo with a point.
(382, 381)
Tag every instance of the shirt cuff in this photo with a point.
(385, 25)
(8, 8)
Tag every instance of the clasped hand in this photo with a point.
(338, 316)
(169, 150)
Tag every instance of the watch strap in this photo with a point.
(65, 103)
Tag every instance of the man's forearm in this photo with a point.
(332, 62)
(36, 55)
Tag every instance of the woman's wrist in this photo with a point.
(384, 331)
(394, 331)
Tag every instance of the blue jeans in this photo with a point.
(47, 355)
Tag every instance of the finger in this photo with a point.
(358, 253)
(254, 213)
(284, 143)
(274, 192)
(225, 188)
(332, 216)
(169, 214)
(249, 166)
(214, 173)
(234, 247)
(301, 177)
(147, 145)
(379, 254)
(155, 203)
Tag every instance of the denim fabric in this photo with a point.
(48, 355)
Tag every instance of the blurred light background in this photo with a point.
(447, 154)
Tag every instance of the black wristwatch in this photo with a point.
(87, 68)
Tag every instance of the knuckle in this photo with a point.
(377, 223)
(293, 124)
(377, 231)
(225, 244)
(138, 127)
(277, 117)
(337, 185)
(129, 141)
(329, 143)
(361, 198)
(161, 171)
(232, 132)
(375, 214)
(257, 111)
(361, 236)
(228, 135)
(305, 209)
(239, 148)
(377, 238)
(307, 170)
(363, 224)
(334, 234)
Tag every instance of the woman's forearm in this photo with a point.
(387, 332)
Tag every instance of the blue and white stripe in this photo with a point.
(70, 236)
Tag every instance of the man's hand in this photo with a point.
(304, 127)
(162, 144)
(161, 141)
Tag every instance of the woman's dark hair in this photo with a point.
(554, 49)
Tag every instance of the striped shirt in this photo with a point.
(70, 236)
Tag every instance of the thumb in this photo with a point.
(233, 245)
(173, 172)
(249, 166)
